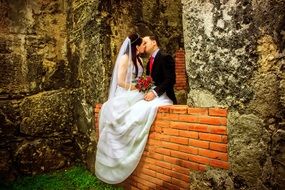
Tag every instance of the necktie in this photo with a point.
(151, 59)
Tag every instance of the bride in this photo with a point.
(125, 119)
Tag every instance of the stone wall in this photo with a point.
(36, 100)
(235, 58)
(162, 18)
(89, 52)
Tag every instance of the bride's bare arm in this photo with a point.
(122, 72)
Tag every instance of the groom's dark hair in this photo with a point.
(154, 37)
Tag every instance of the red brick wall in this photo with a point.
(181, 139)
(180, 70)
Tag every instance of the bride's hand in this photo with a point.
(133, 87)
(149, 96)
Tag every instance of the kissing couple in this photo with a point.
(126, 117)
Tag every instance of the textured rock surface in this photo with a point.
(235, 58)
(36, 95)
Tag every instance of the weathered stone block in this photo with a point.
(46, 113)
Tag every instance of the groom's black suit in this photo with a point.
(163, 75)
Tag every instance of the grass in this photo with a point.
(77, 178)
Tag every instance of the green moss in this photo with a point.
(76, 177)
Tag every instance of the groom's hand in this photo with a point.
(149, 96)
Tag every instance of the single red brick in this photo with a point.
(218, 129)
(181, 81)
(145, 177)
(163, 109)
(162, 123)
(188, 118)
(180, 65)
(159, 116)
(180, 169)
(219, 164)
(162, 116)
(162, 137)
(213, 154)
(171, 160)
(179, 125)
(163, 151)
(157, 181)
(173, 117)
(199, 127)
(163, 164)
(163, 177)
(170, 131)
(198, 111)
(189, 134)
(149, 160)
(181, 155)
(210, 137)
(219, 147)
(171, 146)
(193, 165)
(154, 142)
(218, 112)
(188, 149)
(188, 164)
(157, 129)
(179, 140)
(180, 73)
(157, 156)
(213, 120)
(199, 143)
(199, 159)
(179, 58)
(147, 166)
(155, 168)
(180, 109)
(167, 171)
(148, 172)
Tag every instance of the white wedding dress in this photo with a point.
(124, 124)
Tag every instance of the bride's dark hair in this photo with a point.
(136, 40)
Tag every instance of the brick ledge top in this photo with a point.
(185, 109)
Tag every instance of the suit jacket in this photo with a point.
(163, 75)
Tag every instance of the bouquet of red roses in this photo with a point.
(144, 83)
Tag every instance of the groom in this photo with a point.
(161, 68)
